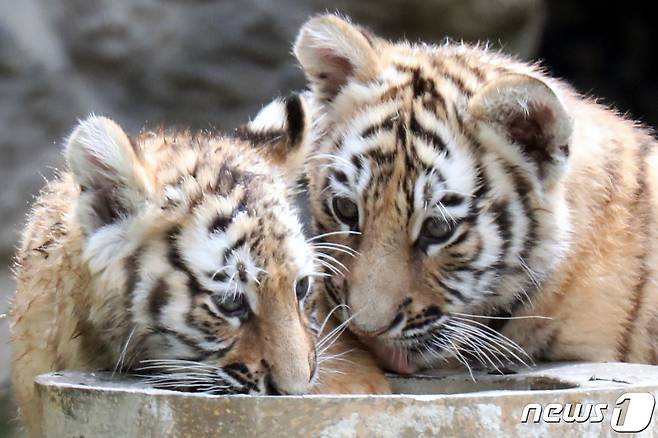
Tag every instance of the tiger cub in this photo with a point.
(180, 256)
(499, 216)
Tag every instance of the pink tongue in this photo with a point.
(393, 359)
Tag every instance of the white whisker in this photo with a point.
(501, 340)
(345, 250)
(331, 312)
(501, 317)
(122, 356)
(332, 259)
(222, 269)
(330, 267)
(532, 275)
(332, 233)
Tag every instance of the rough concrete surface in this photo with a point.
(77, 404)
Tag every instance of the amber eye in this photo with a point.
(346, 211)
(302, 287)
(435, 231)
(233, 306)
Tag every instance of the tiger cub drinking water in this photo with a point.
(180, 255)
(499, 216)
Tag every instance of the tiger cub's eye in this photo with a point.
(436, 230)
(233, 306)
(302, 287)
(346, 211)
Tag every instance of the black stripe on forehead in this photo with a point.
(457, 81)
(236, 245)
(423, 88)
(419, 84)
(177, 262)
(386, 125)
(381, 158)
(374, 154)
(471, 68)
(222, 221)
(429, 137)
(435, 103)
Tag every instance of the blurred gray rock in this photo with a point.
(187, 62)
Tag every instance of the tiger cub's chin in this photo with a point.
(482, 211)
(179, 257)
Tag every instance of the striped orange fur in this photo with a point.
(180, 257)
(499, 216)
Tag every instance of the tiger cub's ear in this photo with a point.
(109, 171)
(280, 133)
(526, 112)
(332, 50)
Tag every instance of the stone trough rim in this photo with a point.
(124, 384)
(85, 404)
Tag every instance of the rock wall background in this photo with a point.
(207, 63)
(197, 63)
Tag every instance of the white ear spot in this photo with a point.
(331, 51)
(279, 132)
(271, 117)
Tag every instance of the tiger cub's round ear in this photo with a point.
(280, 133)
(332, 50)
(531, 116)
(109, 171)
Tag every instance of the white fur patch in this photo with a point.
(272, 117)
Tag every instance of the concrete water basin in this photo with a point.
(447, 403)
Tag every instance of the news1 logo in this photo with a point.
(631, 413)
